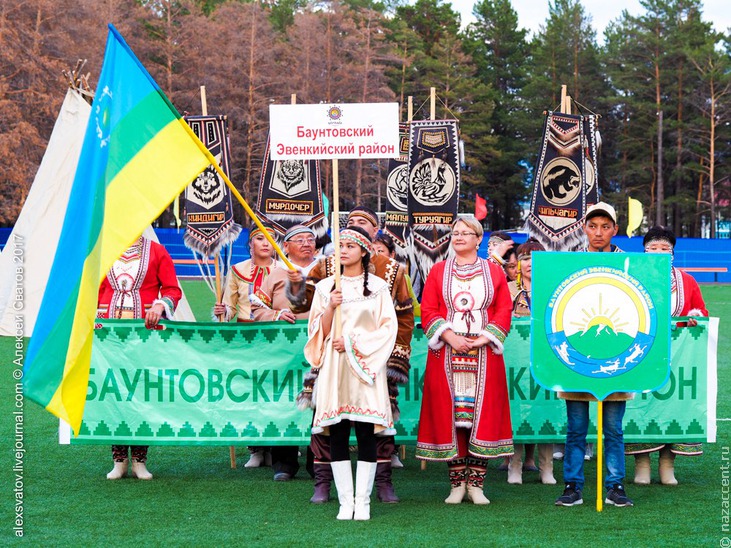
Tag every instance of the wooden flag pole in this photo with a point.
(336, 242)
(410, 109)
(432, 103)
(204, 112)
(600, 455)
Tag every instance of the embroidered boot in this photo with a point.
(119, 470)
(323, 479)
(515, 466)
(256, 459)
(642, 469)
(365, 473)
(343, 476)
(458, 480)
(667, 467)
(545, 463)
(476, 471)
(384, 486)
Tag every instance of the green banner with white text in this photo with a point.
(236, 384)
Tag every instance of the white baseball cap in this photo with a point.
(602, 208)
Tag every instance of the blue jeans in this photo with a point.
(577, 413)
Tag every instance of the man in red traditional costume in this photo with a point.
(141, 284)
(465, 413)
(398, 363)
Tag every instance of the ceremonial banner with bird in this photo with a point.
(434, 177)
(397, 194)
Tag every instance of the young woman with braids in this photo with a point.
(352, 386)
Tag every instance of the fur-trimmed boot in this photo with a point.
(323, 479)
(642, 469)
(384, 486)
(119, 470)
(458, 481)
(667, 467)
(476, 471)
(343, 476)
(515, 465)
(140, 471)
(545, 463)
(365, 474)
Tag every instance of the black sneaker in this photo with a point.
(617, 497)
(571, 496)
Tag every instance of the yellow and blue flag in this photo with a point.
(138, 154)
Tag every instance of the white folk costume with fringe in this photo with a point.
(352, 384)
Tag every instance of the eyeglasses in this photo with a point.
(303, 241)
(459, 234)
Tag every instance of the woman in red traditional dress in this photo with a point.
(685, 300)
(141, 284)
(465, 412)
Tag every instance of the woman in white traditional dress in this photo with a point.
(351, 386)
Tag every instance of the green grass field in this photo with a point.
(197, 499)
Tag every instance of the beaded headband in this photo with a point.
(495, 240)
(257, 230)
(366, 215)
(660, 240)
(356, 237)
(296, 230)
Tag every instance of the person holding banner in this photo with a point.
(600, 226)
(243, 280)
(271, 303)
(394, 275)
(352, 360)
(520, 291)
(686, 300)
(498, 244)
(141, 284)
(465, 412)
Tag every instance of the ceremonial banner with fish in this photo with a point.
(434, 178)
(397, 193)
(208, 213)
(290, 193)
(563, 174)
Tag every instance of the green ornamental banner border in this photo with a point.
(236, 384)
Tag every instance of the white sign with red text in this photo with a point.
(335, 130)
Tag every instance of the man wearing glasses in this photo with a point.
(271, 303)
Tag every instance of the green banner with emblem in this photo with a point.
(236, 384)
(601, 322)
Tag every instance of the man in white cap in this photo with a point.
(600, 226)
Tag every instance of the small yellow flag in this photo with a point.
(634, 216)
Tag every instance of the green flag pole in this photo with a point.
(599, 455)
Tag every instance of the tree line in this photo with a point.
(661, 81)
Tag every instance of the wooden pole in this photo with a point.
(599, 455)
(204, 111)
(563, 99)
(336, 242)
(410, 110)
(432, 103)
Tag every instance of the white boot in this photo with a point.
(119, 470)
(139, 470)
(545, 463)
(256, 459)
(365, 474)
(515, 466)
(667, 467)
(642, 469)
(343, 476)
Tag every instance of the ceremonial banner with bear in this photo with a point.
(601, 322)
(236, 384)
(565, 172)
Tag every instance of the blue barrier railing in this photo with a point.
(689, 252)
